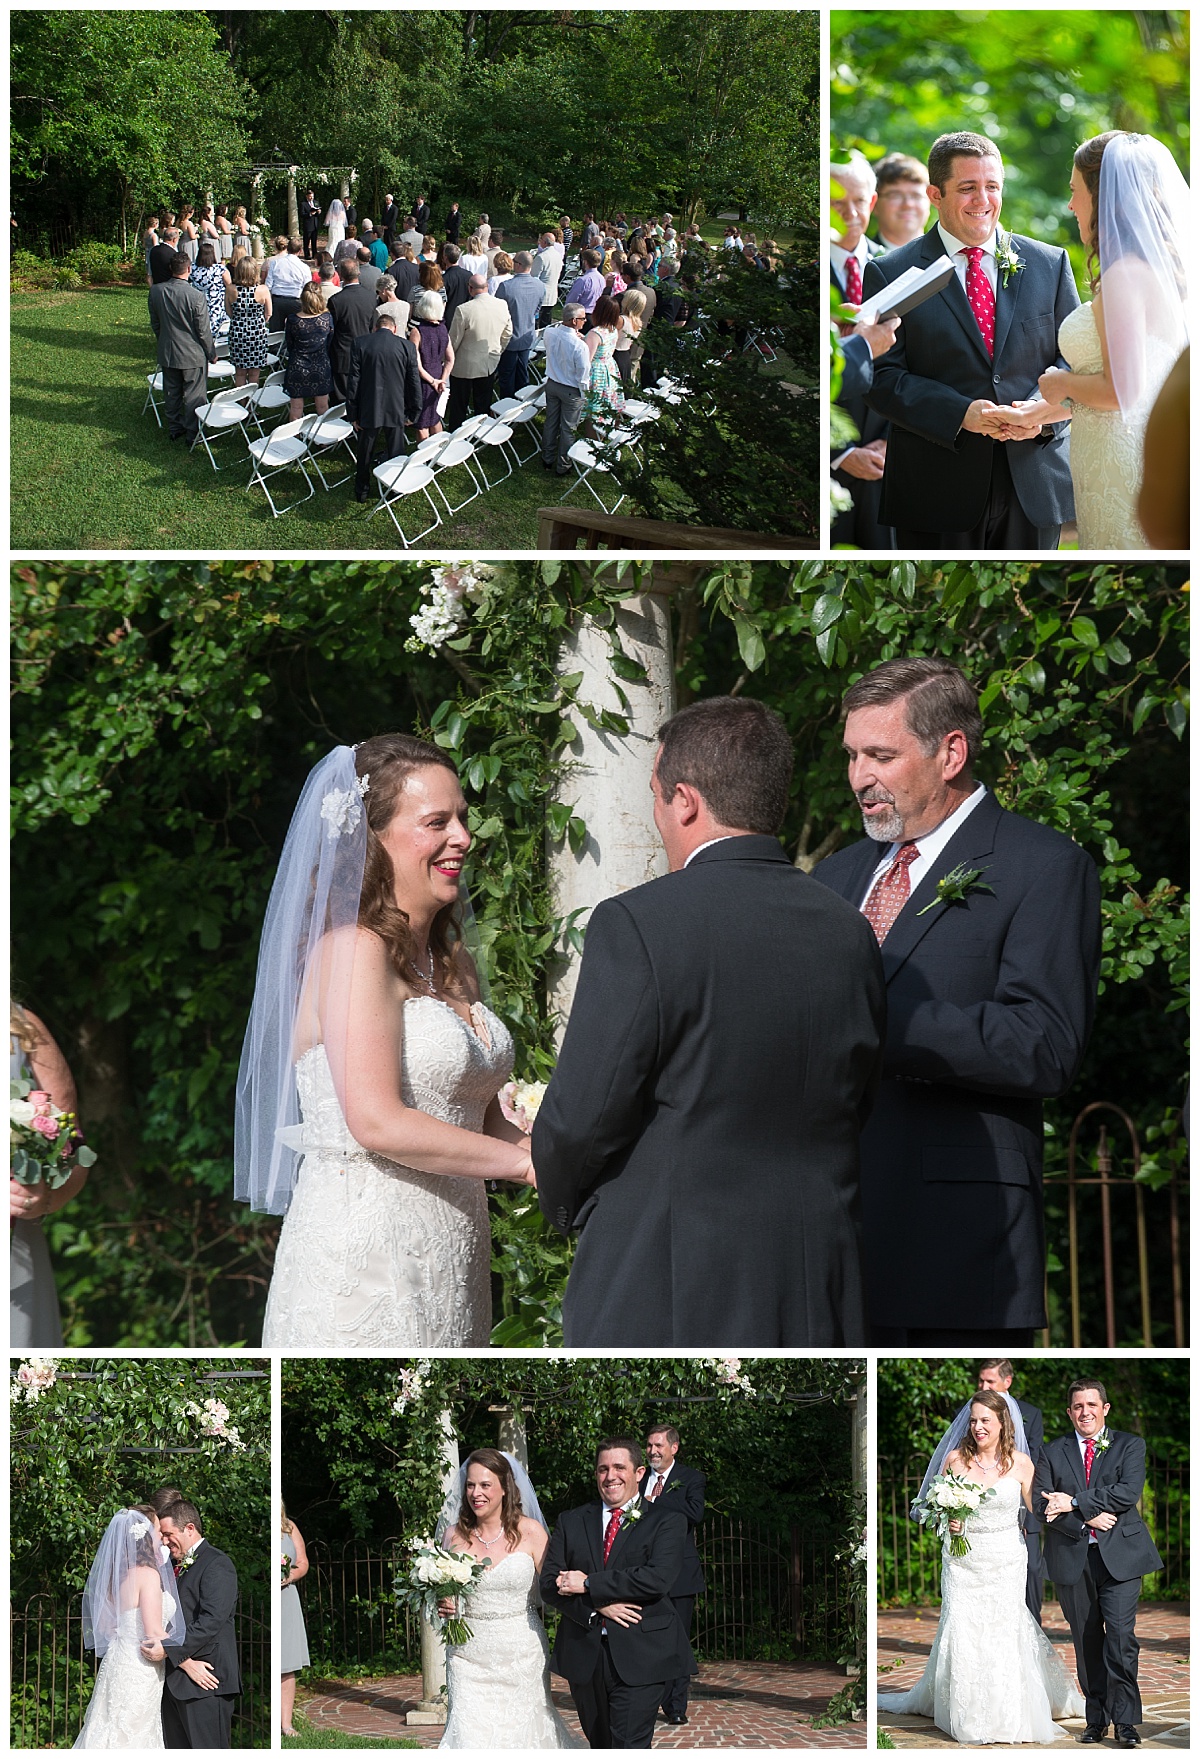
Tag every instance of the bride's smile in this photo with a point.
(428, 841)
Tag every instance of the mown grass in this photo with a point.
(308, 1736)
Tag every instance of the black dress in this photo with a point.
(309, 372)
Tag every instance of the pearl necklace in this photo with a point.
(488, 1542)
(428, 981)
(983, 1466)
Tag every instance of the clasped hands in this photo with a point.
(619, 1612)
(1059, 1503)
(1023, 420)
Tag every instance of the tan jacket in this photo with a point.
(478, 333)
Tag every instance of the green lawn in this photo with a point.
(89, 471)
(308, 1736)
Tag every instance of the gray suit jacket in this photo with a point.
(179, 319)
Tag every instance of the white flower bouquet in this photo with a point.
(952, 1497)
(436, 1573)
(519, 1102)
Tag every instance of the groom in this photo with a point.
(202, 1672)
(960, 473)
(1098, 1548)
(701, 1128)
(609, 1569)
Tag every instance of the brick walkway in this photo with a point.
(1162, 1630)
(733, 1704)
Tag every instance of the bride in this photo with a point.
(128, 1598)
(366, 1101)
(498, 1683)
(1131, 204)
(992, 1674)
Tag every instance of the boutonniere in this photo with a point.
(1007, 260)
(633, 1514)
(1103, 1441)
(186, 1561)
(953, 887)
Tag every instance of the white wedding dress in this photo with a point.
(373, 1255)
(1106, 445)
(992, 1674)
(125, 1709)
(498, 1683)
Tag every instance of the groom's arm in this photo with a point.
(934, 411)
(594, 1107)
(578, 1607)
(1120, 1493)
(651, 1580)
(218, 1592)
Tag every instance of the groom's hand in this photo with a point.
(153, 1650)
(571, 1582)
(864, 462)
(200, 1674)
(621, 1612)
(1103, 1522)
(984, 417)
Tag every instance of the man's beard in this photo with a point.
(888, 828)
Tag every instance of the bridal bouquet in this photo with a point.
(434, 1574)
(951, 1498)
(45, 1143)
(519, 1101)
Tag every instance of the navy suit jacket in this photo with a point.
(684, 1494)
(937, 476)
(990, 1005)
(1118, 1477)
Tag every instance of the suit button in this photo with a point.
(560, 1218)
(996, 379)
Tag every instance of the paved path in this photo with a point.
(733, 1704)
(1162, 1628)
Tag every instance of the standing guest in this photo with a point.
(568, 365)
(404, 270)
(179, 319)
(474, 258)
(454, 223)
(383, 394)
(478, 336)
(591, 232)
(241, 228)
(352, 311)
(494, 245)
(567, 234)
(614, 281)
(328, 280)
(287, 277)
(347, 246)
(248, 302)
(309, 336)
(669, 316)
(351, 214)
(522, 294)
(225, 233)
(671, 1484)
(435, 358)
(389, 306)
(208, 226)
(293, 1644)
(429, 249)
(421, 213)
(456, 282)
(857, 468)
(335, 225)
(310, 223)
(160, 264)
(483, 231)
(368, 274)
(376, 248)
(325, 261)
(429, 277)
(604, 397)
(547, 267)
(901, 200)
(502, 268)
(390, 221)
(33, 1316)
(150, 238)
(413, 234)
(633, 307)
(587, 286)
(209, 277)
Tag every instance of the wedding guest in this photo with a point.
(681, 1488)
(483, 231)
(568, 365)
(309, 336)
(633, 307)
(474, 258)
(352, 311)
(522, 294)
(248, 302)
(587, 286)
(478, 335)
(456, 281)
(857, 467)
(399, 310)
(405, 270)
(287, 277)
(189, 238)
(453, 223)
(430, 337)
(376, 247)
(368, 274)
(547, 267)
(383, 394)
(346, 246)
(494, 246)
(160, 263)
(209, 277)
(902, 200)
(502, 268)
(293, 1646)
(225, 231)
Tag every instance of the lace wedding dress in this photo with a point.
(992, 1675)
(498, 1683)
(373, 1255)
(125, 1709)
(1106, 445)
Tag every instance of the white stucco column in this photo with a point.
(432, 1708)
(608, 774)
(293, 219)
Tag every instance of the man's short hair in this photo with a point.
(939, 699)
(162, 1499)
(666, 1429)
(948, 147)
(1001, 1364)
(182, 1514)
(632, 1448)
(1083, 1386)
(571, 312)
(169, 233)
(181, 263)
(295, 246)
(364, 254)
(349, 269)
(385, 321)
(450, 254)
(900, 168)
(855, 166)
(737, 754)
(522, 260)
(590, 258)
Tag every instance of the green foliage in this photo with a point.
(1036, 83)
(99, 264)
(29, 270)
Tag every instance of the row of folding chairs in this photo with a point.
(484, 449)
(220, 371)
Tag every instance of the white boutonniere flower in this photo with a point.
(633, 1514)
(1007, 260)
(1103, 1441)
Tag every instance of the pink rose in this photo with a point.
(42, 1101)
(44, 1127)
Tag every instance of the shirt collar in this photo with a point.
(712, 841)
(839, 257)
(955, 245)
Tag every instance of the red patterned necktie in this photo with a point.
(1089, 1454)
(654, 1494)
(983, 300)
(853, 282)
(889, 894)
(610, 1532)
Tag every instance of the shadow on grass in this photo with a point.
(125, 343)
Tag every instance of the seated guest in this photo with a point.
(389, 306)
(383, 393)
(901, 200)
(309, 371)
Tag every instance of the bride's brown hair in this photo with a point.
(389, 760)
(1007, 1447)
(493, 1461)
(1087, 163)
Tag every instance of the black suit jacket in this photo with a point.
(456, 286)
(422, 217)
(861, 525)
(642, 1566)
(683, 1493)
(383, 385)
(352, 308)
(938, 366)
(208, 1592)
(701, 1128)
(990, 1004)
(1118, 1477)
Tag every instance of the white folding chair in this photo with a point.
(497, 435)
(457, 453)
(154, 382)
(588, 461)
(284, 448)
(269, 399)
(524, 417)
(528, 392)
(276, 348)
(223, 371)
(325, 434)
(398, 478)
(224, 411)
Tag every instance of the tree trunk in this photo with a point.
(293, 217)
(512, 1433)
(608, 779)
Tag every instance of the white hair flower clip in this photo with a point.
(138, 1528)
(342, 809)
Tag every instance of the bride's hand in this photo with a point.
(446, 1608)
(956, 1528)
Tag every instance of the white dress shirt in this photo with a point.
(712, 841)
(954, 249)
(653, 1478)
(838, 259)
(1093, 1536)
(929, 847)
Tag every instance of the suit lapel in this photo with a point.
(865, 859)
(971, 845)
(1075, 1459)
(1006, 303)
(953, 297)
(595, 1532)
(624, 1529)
